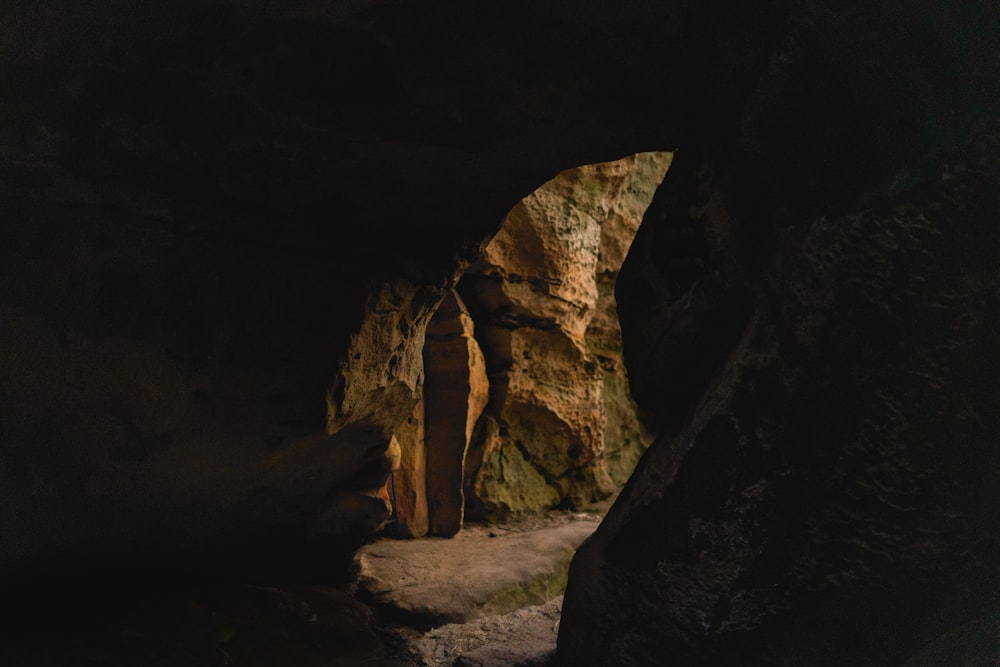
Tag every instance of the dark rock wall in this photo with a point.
(810, 313)
(832, 498)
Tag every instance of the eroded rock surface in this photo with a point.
(484, 570)
(525, 637)
(542, 294)
(455, 392)
(408, 485)
(491, 596)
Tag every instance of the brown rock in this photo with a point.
(504, 482)
(543, 294)
(408, 484)
(455, 392)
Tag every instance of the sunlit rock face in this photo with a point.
(542, 298)
(455, 393)
(561, 428)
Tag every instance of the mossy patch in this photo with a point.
(537, 591)
(509, 484)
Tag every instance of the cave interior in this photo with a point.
(282, 279)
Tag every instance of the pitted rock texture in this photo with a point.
(542, 294)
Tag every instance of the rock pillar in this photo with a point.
(455, 392)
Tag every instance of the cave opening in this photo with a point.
(525, 404)
(525, 431)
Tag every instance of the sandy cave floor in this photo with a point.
(490, 596)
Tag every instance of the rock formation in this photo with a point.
(455, 394)
(407, 486)
(225, 227)
(823, 488)
(809, 479)
(542, 296)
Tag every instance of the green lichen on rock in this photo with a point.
(625, 439)
(542, 295)
(537, 591)
(510, 485)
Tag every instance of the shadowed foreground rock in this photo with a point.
(189, 624)
(834, 496)
(819, 347)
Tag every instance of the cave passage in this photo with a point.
(525, 431)
(525, 403)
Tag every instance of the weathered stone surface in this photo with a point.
(543, 295)
(380, 377)
(408, 485)
(625, 434)
(504, 482)
(524, 637)
(424, 572)
(455, 392)
(500, 569)
(544, 261)
(833, 497)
